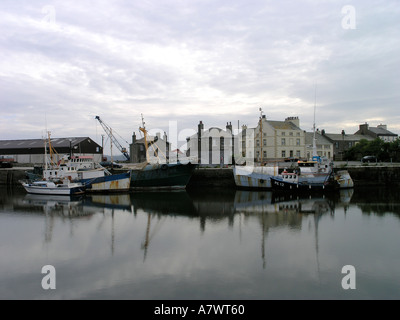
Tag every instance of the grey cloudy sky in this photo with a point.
(178, 62)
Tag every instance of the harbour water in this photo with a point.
(201, 244)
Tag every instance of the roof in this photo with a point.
(320, 139)
(283, 125)
(39, 143)
(347, 137)
(381, 131)
(213, 132)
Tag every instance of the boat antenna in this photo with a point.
(261, 134)
(314, 152)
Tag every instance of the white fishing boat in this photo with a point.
(61, 187)
(82, 169)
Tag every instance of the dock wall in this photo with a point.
(223, 177)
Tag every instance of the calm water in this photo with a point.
(200, 245)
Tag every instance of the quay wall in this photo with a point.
(361, 175)
(223, 177)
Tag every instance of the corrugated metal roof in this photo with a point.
(39, 143)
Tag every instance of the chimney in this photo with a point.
(133, 137)
(364, 128)
(229, 126)
(382, 126)
(201, 126)
(294, 120)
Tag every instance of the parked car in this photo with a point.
(109, 164)
(6, 162)
(369, 159)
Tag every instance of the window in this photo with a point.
(283, 133)
(298, 153)
(283, 153)
(297, 142)
(265, 142)
(283, 142)
(258, 143)
(265, 154)
(290, 133)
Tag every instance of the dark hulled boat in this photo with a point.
(162, 176)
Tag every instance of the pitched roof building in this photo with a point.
(380, 131)
(274, 140)
(343, 142)
(33, 150)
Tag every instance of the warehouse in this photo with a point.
(32, 150)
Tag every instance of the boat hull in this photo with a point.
(61, 191)
(113, 183)
(254, 177)
(162, 176)
(279, 184)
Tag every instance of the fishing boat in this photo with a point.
(160, 174)
(254, 176)
(80, 169)
(119, 182)
(61, 187)
(317, 174)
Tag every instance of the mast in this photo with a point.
(314, 150)
(261, 135)
(112, 160)
(143, 129)
(45, 154)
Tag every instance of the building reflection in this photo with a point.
(229, 207)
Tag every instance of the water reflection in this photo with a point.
(204, 206)
(270, 209)
(181, 243)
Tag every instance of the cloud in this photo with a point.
(215, 61)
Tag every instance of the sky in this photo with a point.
(176, 62)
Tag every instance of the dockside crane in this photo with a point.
(108, 130)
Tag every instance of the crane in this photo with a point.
(108, 130)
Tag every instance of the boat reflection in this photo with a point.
(65, 206)
(264, 208)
